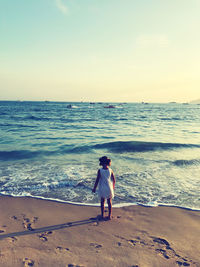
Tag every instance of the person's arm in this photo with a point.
(97, 181)
(113, 179)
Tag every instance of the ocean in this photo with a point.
(51, 149)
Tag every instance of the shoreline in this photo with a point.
(36, 232)
(119, 205)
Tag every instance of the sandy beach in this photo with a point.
(35, 232)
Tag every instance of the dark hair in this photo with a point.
(104, 161)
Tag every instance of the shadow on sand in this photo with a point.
(51, 228)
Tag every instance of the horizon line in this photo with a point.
(96, 102)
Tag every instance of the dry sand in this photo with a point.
(35, 232)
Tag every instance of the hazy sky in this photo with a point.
(100, 50)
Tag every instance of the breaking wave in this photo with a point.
(114, 147)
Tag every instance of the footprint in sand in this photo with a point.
(163, 247)
(28, 262)
(14, 217)
(168, 252)
(133, 242)
(180, 263)
(27, 223)
(12, 239)
(61, 249)
(160, 245)
(43, 236)
(163, 253)
(95, 245)
(138, 241)
(28, 226)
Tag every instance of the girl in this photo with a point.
(106, 181)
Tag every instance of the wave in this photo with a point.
(126, 146)
(51, 138)
(17, 126)
(30, 154)
(137, 146)
(18, 154)
(115, 147)
(183, 162)
(171, 119)
(74, 149)
(39, 187)
(31, 117)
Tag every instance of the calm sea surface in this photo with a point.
(51, 150)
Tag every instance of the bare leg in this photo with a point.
(102, 206)
(109, 201)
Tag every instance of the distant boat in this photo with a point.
(109, 106)
(69, 106)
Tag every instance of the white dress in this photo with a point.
(105, 184)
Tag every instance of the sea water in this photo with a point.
(51, 150)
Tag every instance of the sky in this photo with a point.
(100, 50)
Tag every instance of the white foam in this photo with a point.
(119, 205)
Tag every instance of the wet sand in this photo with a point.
(35, 232)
